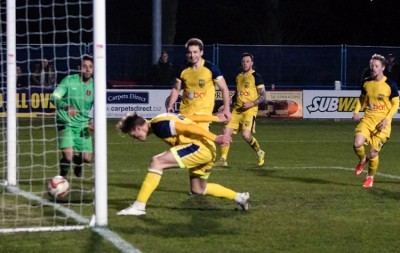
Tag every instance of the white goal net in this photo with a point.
(51, 36)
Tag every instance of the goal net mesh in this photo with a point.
(51, 35)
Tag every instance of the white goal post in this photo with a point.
(100, 113)
(28, 146)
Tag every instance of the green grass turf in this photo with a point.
(305, 198)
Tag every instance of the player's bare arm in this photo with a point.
(359, 104)
(223, 140)
(176, 88)
(259, 100)
(382, 125)
(221, 83)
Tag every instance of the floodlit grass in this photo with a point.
(305, 198)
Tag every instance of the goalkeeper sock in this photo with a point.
(220, 191)
(373, 166)
(254, 144)
(149, 184)
(77, 159)
(360, 152)
(224, 152)
(64, 166)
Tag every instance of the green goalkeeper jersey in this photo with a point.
(73, 92)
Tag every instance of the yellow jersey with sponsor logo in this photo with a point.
(246, 88)
(378, 95)
(198, 88)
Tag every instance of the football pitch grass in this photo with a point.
(304, 199)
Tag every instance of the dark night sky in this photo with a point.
(311, 22)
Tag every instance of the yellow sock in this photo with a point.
(149, 184)
(224, 152)
(254, 144)
(360, 152)
(219, 191)
(373, 166)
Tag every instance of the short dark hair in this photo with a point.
(130, 121)
(87, 57)
(249, 55)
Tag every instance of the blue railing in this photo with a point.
(288, 67)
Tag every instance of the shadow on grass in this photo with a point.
(310, 180)
(201, 216)
(260, 171)
(121, 202)
(95, 243)
(132, 185)
(382, 193)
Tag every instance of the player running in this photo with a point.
(380, 97)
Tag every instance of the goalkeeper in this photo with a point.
(193, 149)
(73, 99)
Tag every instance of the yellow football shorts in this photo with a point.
(375, 138)
(197, 158)
(243, 120)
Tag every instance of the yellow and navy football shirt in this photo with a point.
(246, 87)
(165, 126)
(199, 88)
(378, 96)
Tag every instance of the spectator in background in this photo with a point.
(163, 71)
(44, 74)
(392, 70)
(366, 73)
(21, 78)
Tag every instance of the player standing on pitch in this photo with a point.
(192, 149)
(250, 92)
(380, 97)
(73, 99)
(198, 79)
